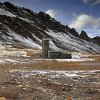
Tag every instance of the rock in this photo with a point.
(96, 39)
(73, 32)
(91, 91)
(84, 36)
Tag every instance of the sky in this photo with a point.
(78, 14)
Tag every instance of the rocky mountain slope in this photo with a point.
(96, 40)
(21, 27)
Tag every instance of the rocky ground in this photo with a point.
(31, 84)
(25, 78)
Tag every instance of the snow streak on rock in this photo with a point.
(20, 27)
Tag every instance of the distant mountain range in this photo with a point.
(23, 28)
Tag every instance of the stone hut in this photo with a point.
(58, 55)
(52, 54)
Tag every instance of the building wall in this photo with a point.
(45, 47)
(52, 55)
(58, 55)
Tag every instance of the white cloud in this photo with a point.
(92, 32)
(84, 20)
(85, 1)
(51, 12)
(91, 2)
(96, 2)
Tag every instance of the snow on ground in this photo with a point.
(7, 13)
(53, 46)
(77, 56)
(12, 52)
(75, 60)
(37, 39)
(1, 46)
(10, 60)
(52, 73)
(3, 12)
(28, 42)
(9, 55)
(66, 41)
(24, 19)
(2, 61)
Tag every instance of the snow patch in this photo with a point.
(49, 73)
(2, 61)
(14, 52)
(10, 60)
(3, 12)
(72, 43)
(53, 46)
(75, 60)
(27, 41)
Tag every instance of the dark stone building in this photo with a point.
(58, 55)
(50, 54)
(45, 47)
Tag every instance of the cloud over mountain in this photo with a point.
(51, 12)
(84, 20)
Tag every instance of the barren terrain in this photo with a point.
(24, 76)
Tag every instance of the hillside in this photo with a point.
(23, 28)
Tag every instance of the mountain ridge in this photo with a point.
(19, 23)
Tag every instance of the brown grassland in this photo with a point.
(13, 86)
(55, 65)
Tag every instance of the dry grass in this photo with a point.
(96, 57)
(69, 98)
(33, 54)
(51, 64)
(29, 53)
(2, 98)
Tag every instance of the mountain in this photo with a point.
(23, 28)
(84, 36)
(96, 40)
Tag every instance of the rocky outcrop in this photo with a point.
(97, 39)
(84, 36)
(73, 32)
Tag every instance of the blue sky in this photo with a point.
(79, 14)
